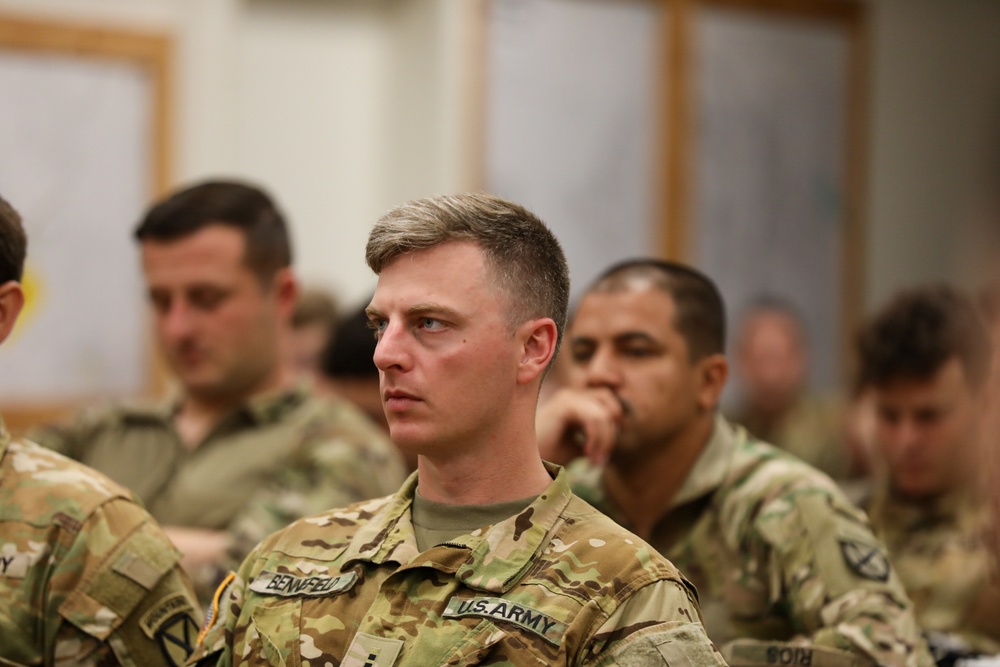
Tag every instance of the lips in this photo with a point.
(396, 400)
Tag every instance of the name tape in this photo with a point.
(289, 585)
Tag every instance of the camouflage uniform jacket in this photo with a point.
(86, 576)
(280, 457)
(778, 553)
(558, 584)
(812, 429)
(939, 547)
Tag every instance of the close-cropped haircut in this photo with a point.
(13, 243)
(231, 203)
(701, 314)
(523, 257)
(917, 332)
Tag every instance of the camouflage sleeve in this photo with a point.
(119, 591)
(330, 471)
(834, 576)
(659, 625)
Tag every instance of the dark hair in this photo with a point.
(920, 330)
(13, 243)
(523, 256)
(701, 315)
(351, 349)
(248, 208)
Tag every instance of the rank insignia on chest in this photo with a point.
(866, 560)
(520, 615)
(371, 651)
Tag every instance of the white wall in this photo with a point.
(934, 124)
(346, 107)
(340, 108)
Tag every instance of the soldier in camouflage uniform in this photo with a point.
(86, 576)
(484, 556)
(926, 359)
(787, 569)
(772, 364)
(244, 449)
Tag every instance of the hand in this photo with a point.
(579, 422)
(198, 546)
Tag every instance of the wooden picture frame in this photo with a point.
(825, 287)
(87, 127)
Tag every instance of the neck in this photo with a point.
(199, 413)
(507, 468)
(643, 488)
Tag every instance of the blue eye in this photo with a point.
(377, 327)
(430, 323)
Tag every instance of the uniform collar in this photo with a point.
(951, 508)
(491, 559)
(708, 473)
(262, 409)
(712, 466)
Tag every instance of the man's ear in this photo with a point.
(538, 338)
(286, 292)
(11, 302)
(713, 372)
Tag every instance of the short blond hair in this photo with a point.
(523, 256)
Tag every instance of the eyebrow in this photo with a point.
(636, 336)
(419, 309)
(626, 337)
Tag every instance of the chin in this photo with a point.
(407, 438)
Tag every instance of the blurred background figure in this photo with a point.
(347, 371)
(776, 404)
(312, 324)
(925, 361)
(242, 448)
(346, 368)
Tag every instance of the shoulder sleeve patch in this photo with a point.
(116, 585)
(867, 560)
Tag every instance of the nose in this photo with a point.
(910, 434)
(175, 322)
(905, 436)
(603, 370)
(390, 351)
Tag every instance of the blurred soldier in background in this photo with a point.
(243, 449)
(772, 364)
(313, 321)
(926, 359)
(787, 568)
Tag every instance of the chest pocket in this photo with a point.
(274, 634)
(472, 649)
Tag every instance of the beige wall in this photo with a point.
(934, 140)
(346, 107)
